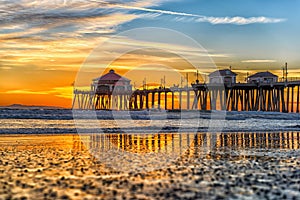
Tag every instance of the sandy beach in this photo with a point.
(61, 167)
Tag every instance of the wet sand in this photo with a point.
(61, 167)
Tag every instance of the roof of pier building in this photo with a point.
(263, 74)
(223, 72)
(111, 77)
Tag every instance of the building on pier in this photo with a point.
(263, 77)
(111, 82)
(225, 76)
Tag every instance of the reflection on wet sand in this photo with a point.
(147, 152)
(168, 143)
(157, 143)
(281, 140)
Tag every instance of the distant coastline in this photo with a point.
(21, 106)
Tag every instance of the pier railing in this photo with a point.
(289, 79)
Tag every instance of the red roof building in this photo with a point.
(112, 78)
(111, 82)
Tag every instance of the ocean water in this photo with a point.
(45, 121)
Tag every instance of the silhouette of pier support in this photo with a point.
(166, 98)
(89, 100)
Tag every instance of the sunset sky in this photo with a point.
(44, 44)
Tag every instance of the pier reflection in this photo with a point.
(170, 142)
(143, 152)
(279, 140)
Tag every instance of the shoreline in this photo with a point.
(155, 131)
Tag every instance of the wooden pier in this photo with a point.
(277, 97)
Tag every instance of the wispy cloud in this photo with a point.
(53, 20)
(183, 16)
(25, 92)
(168, 12)
(259, 61)
(65, 92)
(240, 20)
